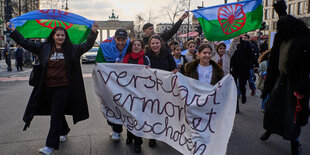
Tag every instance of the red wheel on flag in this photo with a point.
(51, 23)
(232, 18)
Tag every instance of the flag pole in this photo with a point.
(189, 7)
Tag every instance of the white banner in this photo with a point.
(192, 117)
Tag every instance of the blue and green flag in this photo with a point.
(40, 23)
(227, 21)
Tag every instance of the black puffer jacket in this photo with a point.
(242, 60)
(162, 61)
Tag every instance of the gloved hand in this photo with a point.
(280, 7)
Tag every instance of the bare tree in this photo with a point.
(139, 21)
(175, 9)
(142, 18)
(51, 4)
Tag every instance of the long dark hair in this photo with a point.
(163, 49)
(203, 46)
(264, 56)
(129, 49)
(50, 39)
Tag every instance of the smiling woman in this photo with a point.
(160, 58)
(204, 69)
(59, 89)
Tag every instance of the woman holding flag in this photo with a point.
(60, 88)
(223, 56)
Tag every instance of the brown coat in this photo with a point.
(191, 71)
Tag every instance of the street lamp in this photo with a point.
(66, 8)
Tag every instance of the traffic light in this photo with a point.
(198, 29)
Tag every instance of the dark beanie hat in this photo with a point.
(146, 26)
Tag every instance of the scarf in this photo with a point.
(134, 56)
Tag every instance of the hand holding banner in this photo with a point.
(192, 117)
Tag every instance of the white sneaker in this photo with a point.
(115, 136)
(47, 150)
(63, 138)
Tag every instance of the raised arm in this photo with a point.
(280, 7)
(88, 44)
(211, 43)
(19, 39)
(233, 47)
(168, 35)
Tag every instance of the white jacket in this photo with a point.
(226, 57)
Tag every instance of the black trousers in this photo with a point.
(19, 64)
(8, 62)
(137, 140)
(116, 127)
(242, 83)
(58, 98)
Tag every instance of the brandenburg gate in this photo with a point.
(113, 24)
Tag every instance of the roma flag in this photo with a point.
(40, 23)
(227, 21)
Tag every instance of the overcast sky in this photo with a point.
(126, 9)
(100, 10)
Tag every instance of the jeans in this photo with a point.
(251, 80)
(264, 102)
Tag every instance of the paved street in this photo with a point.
(91, 137)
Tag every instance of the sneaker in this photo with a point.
(115, 136)
(262, 110)
(63, 138)
(47, 150)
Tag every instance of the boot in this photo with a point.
(237, 108)
(137, 148)
(129, 137)
(265, 136)
(295, 148)
(243, 99)
(152, 142)
(128, 140)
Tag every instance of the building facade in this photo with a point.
(18, 7)
(297, 8)
(162, 27)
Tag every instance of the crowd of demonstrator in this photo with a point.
(282, 73)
